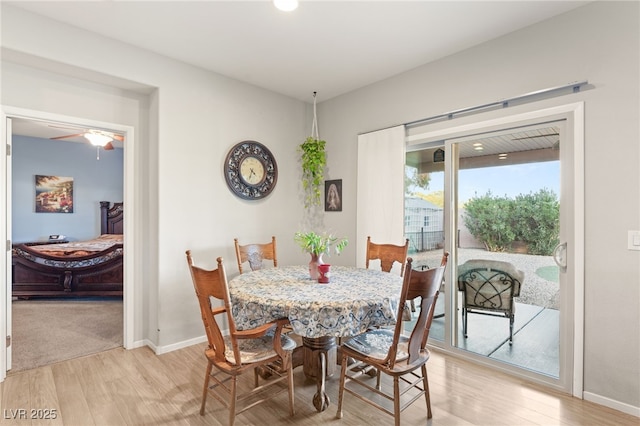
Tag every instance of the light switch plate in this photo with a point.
(633, 241)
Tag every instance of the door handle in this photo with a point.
(560, 256)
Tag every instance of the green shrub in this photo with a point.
(499, 221)
(536, 221)
(488, 218)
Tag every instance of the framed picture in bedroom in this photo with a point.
(54, 194)
(333, 195)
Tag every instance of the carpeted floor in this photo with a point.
(48, 331)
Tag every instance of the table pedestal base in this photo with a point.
(319, 363)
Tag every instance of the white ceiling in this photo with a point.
(328, 47)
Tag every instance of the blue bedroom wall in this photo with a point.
(93, 181)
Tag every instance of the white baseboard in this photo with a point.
(141, 343)
(159, 350)
(612, 403)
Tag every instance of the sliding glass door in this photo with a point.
(509, 195)
(508, 217)
(424, 215)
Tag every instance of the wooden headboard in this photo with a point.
(111, 218)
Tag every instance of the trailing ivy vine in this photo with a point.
(314, 160)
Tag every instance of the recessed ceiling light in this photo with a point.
(286, 5)
(502, 156)
(478, 148)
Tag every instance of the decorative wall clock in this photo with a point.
(250, 170)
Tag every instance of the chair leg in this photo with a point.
(425, 381)
(396, 400)
(511, 321)
(292, 410)
(232, 402)
(205, 391)
(464, 321)
(256, 380)
(343, 374)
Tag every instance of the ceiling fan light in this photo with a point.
(97, 139)
(286, 5)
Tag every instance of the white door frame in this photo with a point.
(5, 263)
(573, 115)
(8, 112)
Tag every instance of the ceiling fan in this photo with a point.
(99, 138)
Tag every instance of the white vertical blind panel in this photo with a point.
(380, 189)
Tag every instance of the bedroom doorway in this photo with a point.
(125, 319)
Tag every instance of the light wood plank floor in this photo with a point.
(137, 387)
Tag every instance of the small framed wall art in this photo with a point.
(333, 195)
(54, 194)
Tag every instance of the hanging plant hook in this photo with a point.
(314, 126)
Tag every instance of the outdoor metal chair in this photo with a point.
(489, 287)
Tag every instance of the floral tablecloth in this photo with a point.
(353, 301)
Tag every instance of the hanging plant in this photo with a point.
(313, 163)
(314, 160)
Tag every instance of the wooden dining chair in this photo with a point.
(263, 347)
(393, 353)
(388, 254)
(255, 254)
(442, 288)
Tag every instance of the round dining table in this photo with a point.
(354, 300)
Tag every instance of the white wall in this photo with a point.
(599, 42)
(93, 181)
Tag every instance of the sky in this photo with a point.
(503, 181)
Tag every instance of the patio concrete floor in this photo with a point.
(537, 321)
(535, 337)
